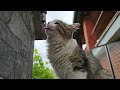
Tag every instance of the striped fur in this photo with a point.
(67, 59)
(60, 49)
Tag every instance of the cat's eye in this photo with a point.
(56, 23)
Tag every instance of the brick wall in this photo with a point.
(114, 49)
(101, 55)
(105, 63)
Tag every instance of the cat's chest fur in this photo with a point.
(58, 54)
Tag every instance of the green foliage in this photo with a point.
(39, 69)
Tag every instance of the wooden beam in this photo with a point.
(102, 22)
(88, 27)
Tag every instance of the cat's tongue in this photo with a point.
(46, 28)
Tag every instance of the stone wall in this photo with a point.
(16, 44)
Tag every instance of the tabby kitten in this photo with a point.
(67, 59)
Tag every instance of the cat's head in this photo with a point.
(60, 28)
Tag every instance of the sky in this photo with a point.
(41, 45)
(66, 16)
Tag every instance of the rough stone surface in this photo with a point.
(5, 16)
(16, 44)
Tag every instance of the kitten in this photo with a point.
(67, 59)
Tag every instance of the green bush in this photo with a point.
(40, 71)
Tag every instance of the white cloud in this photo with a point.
(66, 16)
(84, 46)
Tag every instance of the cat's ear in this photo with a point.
(75, 26)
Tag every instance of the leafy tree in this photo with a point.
(40, 71)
